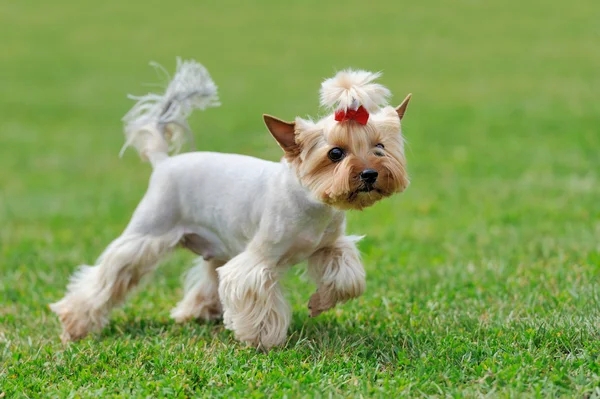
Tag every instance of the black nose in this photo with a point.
(369, 176)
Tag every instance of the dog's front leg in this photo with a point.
(254, 306)
(339, 275)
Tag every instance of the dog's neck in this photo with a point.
(302, 196)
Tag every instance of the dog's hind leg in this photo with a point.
(339, 275)
(95, 290)
(201, 296)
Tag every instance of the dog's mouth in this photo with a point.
(365, 188)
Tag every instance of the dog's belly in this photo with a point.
(205, 244)
(220, 199)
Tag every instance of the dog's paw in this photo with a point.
(204, 310)
(75, 326)
(319, 303)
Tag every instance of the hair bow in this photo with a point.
(360, 115)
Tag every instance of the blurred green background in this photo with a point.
(482, 277)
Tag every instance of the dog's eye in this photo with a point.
(379, 145)
(336, 154)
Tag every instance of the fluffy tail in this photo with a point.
(157, 123)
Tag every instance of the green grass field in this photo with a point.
(483, 277)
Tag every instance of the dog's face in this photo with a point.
(346, 165)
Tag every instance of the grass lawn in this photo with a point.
(483, 278)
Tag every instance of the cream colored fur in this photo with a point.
(201, 293)
(249, 219)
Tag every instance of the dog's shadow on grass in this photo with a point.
(321, 336)
(325, 335)
(144, 328)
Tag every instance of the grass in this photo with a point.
(482, 277)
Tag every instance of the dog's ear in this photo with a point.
(283, 132)
(402, 107)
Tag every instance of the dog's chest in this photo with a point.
(307, 242)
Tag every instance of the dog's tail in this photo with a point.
(157, 123)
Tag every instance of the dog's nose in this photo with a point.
(369, 176)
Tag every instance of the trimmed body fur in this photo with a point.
(249, 220)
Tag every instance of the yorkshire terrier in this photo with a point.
(248, 219)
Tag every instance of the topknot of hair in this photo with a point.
(350, 89)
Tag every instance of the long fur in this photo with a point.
(250, 219)
(350, 89)
(94, 290)
(157, 123)
(201, 297)
(339, 275)
(338, 184)
(255, 308)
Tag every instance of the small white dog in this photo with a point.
(247, 218)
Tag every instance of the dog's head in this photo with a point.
(353, 157)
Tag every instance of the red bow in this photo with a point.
(360, 115)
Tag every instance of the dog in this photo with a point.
(248, 219)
